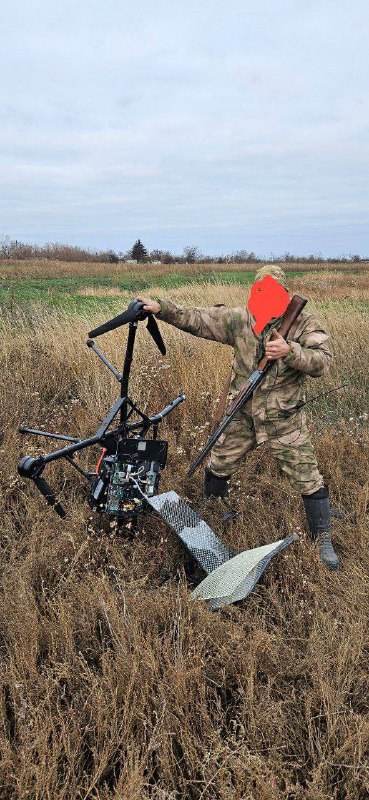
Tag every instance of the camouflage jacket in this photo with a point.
(276, 401)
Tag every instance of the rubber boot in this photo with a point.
(318, 517)
(214, 485)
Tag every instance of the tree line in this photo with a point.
(191, 254)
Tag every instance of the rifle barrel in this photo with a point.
(242, 397)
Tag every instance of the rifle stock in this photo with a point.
(293, 310)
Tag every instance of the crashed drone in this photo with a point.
(125, 482)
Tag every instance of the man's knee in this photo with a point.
(306, 479)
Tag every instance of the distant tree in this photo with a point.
(241, 256)
(139, 251)
(155, 255)
(165, 256)
(191, 254)
(112, 257)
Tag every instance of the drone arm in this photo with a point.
(32, 468)
(35, 432)
(78, 468)
(90, 343)
(161, 414)
(109, 418)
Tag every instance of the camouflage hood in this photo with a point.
(275, 271)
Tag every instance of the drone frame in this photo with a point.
(230, 576)
(32, 468)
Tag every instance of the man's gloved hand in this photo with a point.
(152, 306)
(277, 347)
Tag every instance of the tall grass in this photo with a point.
(82, 293)
(44, 268)
(114, 684)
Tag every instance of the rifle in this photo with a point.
(293, 310)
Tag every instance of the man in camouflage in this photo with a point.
(273, 414)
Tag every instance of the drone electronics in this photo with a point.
(125, 481)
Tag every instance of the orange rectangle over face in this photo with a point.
(268, 299)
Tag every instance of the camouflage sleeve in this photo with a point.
(208, 323)
(310, 354)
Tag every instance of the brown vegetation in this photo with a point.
(116, 685)
(44, 268)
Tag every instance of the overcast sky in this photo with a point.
(226, 125)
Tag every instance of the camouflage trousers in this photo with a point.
(290, 443)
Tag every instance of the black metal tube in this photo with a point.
(23, 429)
(91, 344)
(110, 416)
(73, 448)
(77, 467)
(126, 369)
(82, 444)
(161, 414)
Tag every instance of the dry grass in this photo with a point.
(43, 268)
(331, 285)
(334, 285)
(114, 684)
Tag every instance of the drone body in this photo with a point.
(113, 490)
(126, 479)
(128, 469)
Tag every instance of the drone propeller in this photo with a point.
(134, 313)
(152, 327)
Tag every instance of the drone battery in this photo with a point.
(143, 450)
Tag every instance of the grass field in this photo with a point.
(115, 685)
(86, 287)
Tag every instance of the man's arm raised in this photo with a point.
(208, 323)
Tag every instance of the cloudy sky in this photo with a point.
(227, 125)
